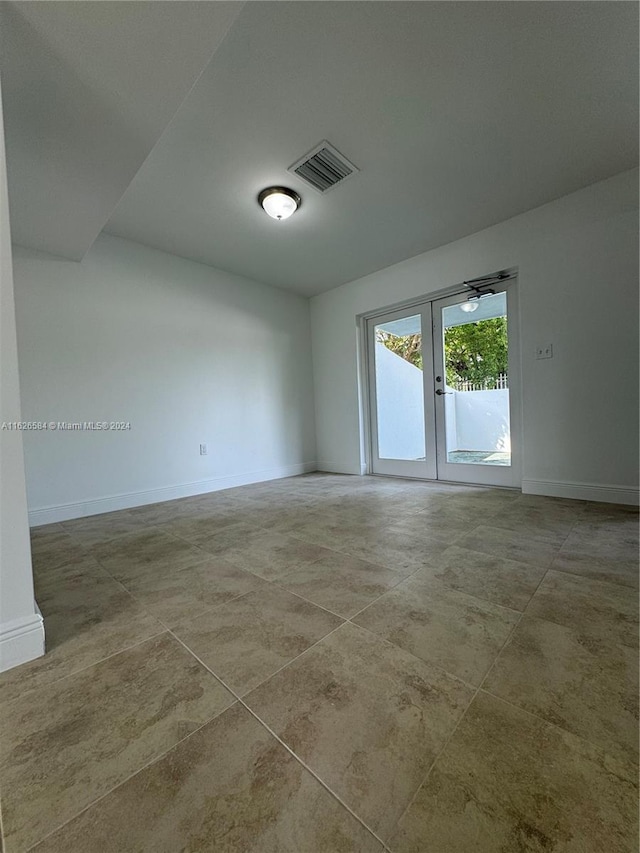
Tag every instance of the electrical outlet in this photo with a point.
(544, 351)
(203, 450)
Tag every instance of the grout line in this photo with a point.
(559, 728)
(286, 665)
(162, 620)
(596, 579)
(424, 662)
(446, 744)
(271, 675)
(75, 672)
(147, 764)
(473, 698)
(278, 584)
(308, 600)
(266, 726)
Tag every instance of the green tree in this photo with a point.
(476, 352)
(408, 347)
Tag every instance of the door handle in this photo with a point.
(440, 392)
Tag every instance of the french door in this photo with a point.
(443, 390)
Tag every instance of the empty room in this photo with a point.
(319, 426)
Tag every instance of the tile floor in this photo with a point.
(327, 664)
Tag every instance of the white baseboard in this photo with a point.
(582, 491)
(21, 640)
(65, 512)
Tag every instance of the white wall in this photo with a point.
(400, 399)
(578, 281)
(185, 353)
(481, 420)
(21, 628)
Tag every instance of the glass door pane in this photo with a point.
(400, 389)
(399, 360)
(472, 389)
(477, 375)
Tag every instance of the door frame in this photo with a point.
(368, 438)
(498, 475)
(419, 469)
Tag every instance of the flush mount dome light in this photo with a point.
(469, 307)
(279, 202)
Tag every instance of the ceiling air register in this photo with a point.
(323, 167)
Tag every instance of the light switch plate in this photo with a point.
(544, 351)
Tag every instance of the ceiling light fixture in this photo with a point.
(469, 307)
(279, 202)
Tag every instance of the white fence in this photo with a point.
(478, 420)
(475, 420)
(400, 398)
(498, 383)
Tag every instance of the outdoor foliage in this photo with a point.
(474, 352)
(408, 347)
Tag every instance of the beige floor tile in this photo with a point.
(229, 788)
(248, 639)
(221, 501)
(605, 550)
(602, 567)
(508, 782)
(597, 511)
(78, 738)
(190, 507)
(617, 530)
(159, 513)
(450, 514)
(47, 579)
(43, 530)
(341, 583)
(386, 507)
(540, 519)
(201, 529)
(174, 596)
(621, 521)
(495, 579)
(267, 554)
(396, 550)
(87, 618)
(53, 548)
(481, 501)
(547, 502)
(432, 527)
(579, 681)
(100, 528)
(334, 531)
(287, 521)
(150, 550)
(537, 549)
(442, 626)
(589, 606)
(367, 717)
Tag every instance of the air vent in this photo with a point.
(323, 167)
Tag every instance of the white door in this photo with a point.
(475, 365)
(402, 421)
(443, 390)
